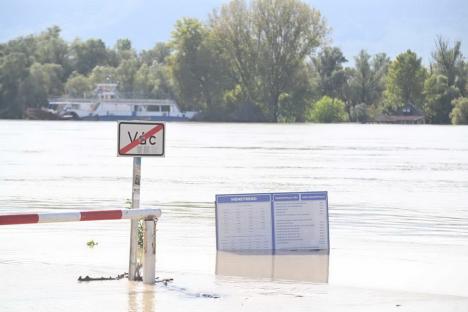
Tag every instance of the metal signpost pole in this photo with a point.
(133, 270)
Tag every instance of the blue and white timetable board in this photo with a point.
(272, 221)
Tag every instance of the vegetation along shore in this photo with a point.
(256, 61)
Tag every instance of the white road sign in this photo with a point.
(140, 138)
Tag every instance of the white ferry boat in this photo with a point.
(108, 106)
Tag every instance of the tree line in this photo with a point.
(260, 60)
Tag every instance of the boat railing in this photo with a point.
(71, 100)
(139, 101)
(121, 101)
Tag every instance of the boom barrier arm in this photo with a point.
(150, 216)
(70, 216)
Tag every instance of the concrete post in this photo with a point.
(149, 248)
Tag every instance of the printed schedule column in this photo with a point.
(243, 222)
(300, 220)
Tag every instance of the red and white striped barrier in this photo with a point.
(70, 216)
(148, 214)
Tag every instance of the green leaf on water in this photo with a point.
(91, 243)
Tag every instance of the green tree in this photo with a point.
(439, 96)
(125, 75)
(124, 50)
(187, 69)
(84, 56)
(31, 93)
(450, 62)
(13, 72)
(332, 76)
(405, 81)
(327, 110)
(266, 43)
(158, 54)
(23, 45)
(51, 48)
(49, 76)
(143, 84)
(163, 86)
(294, 104)
(367, 79)
(197, 68)
(447, 81)
(153, 82)
(459, 114)
(123, 45)
(103, 74)
(78, 86)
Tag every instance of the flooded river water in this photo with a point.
(398, 206)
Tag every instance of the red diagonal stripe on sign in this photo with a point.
(153, 131)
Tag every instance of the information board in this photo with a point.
(274, 221)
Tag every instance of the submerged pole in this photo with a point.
(132, 265)
(149, 248)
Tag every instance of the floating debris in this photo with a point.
(186, 292)
(91, 243)
(88, 278)
(164, 281)
(102, 278)
(208, 296)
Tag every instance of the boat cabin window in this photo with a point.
(153, 108)
(165, 108)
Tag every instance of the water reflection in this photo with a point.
(141, 298)
(308, 266)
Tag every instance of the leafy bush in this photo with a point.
(327, 110)
(459, 114)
